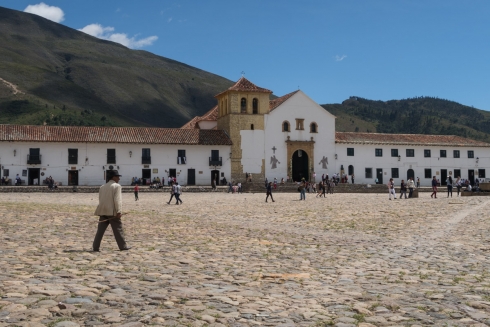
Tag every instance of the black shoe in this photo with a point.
(126, 248)
(96, 250)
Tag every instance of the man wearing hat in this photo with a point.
(110, 211)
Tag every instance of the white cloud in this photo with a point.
(169, 20)
(340, 58)
(106, 33)
(49, 12)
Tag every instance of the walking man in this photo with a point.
(172, 193)
(110, 211)
(269, 192)
(403, 189)
(136, 192)
(302, 190)
(434, 187)
(411, 185)
(178, 192)
(391, 188)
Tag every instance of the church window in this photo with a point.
(255, 106)
(313, 128)
(350, 170)
(243, 106)
(285, 126)
(299, 124)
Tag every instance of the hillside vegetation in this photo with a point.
(66, 77)
(423, 115)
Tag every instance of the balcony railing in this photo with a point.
(34, 159)
(146, 160)
(215, 161)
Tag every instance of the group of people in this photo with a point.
(5, 180)
(409, 185)
(234, 187)
(51, 183)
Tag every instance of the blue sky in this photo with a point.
(376, 49)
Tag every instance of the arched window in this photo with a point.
(313, 128)
(244, 105)
(350, 170)
(255, 106)
(285, 126)
(252, 127)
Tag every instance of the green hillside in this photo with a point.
(68, 77)
(423, 115)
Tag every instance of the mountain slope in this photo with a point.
(423, 115)
(96, 81)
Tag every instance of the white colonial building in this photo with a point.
(245, 133)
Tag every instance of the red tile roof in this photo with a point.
(406, 139)
(244, 84)
(211, 115)
(139, 135)
(273, 104)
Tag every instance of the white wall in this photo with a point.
(364, 157)
(92, 161)
(302, 107)
(252, 145)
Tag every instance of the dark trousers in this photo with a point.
(136, 196)
(410, 193)
(269, 194)
(449, 190)
(177, 197)
(171, 197)
(459, 189)
(117, 229)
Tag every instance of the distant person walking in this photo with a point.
(449, 182)
(302, 190)
(269, 192)
(391, 188)
(136, 192)
(434, 187)
(458, 185)
(172, 192)
(403, 189)
(418, 182)
(411, 185)
(178, 192)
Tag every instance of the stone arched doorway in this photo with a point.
(300, 165)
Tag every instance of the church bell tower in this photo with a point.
(242, 107)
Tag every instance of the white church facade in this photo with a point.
(246, 132)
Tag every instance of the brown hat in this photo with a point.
(112, 173)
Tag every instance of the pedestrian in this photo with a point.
(418, 182)
(239, 187)
(403, 189)
(269, 192)
(275, 183)
(411, 185)
(178, 192)
(449, 182)
(320, 189)
(391, 188)
(136, 192)
(434, 187)
(458, 184)
(172, 192)
(302, 190)
(352, 178)
(109, 211)
(376, 180)
(246, 177)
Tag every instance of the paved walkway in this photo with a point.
(233, 260)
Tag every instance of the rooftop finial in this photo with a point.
(243, 73)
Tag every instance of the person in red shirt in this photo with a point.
(136, 191)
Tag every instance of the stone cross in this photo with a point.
(274, 149)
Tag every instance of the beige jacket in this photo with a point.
(110, 199)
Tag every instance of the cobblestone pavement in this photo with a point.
(234, 260)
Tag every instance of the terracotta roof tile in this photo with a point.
(211, 115)
(273, 104)
(139, 135)
(244, 84)
(406, 139)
